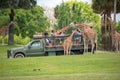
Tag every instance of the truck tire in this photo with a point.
(19, 55)
(46, 54)
(81, 51)
(72, 53)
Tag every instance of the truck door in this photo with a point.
(35, 48)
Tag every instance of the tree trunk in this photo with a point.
(106, 32)
(11, 28)
(103, 30)
(113, 26)
(11, 35)
(113, 36)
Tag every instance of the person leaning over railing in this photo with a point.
(48, 41)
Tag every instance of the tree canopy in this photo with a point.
(31, 21)
(27, 22)
(78, 12)
(26, 4)
(105, 5)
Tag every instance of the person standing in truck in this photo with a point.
(48, 41)
(52, 33)
(78, 36)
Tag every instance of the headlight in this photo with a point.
(11, 51)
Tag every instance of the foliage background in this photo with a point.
(31, 21)
(77, 12)
(27, 22)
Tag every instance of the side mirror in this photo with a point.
(29, 46)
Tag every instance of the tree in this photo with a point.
(29, 22)
(77, 12)
(106, 7)
(12, 4)
(118, 26)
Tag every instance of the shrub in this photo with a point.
(17, 40)
(25, 40)
(0, 39)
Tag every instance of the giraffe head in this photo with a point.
(80, 25)
(77, 25)
(72, 24)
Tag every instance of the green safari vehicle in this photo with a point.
(39, 47)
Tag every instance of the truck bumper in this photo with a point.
(9, 55)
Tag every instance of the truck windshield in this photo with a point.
(36, 44)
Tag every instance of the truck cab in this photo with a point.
(33, 48)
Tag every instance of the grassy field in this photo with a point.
(99, 66)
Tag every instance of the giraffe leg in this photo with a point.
(119, 47)
(64, 48)
(116, 46)
(84, 45)
(95, 46)
(95, 43)
(92, 43)
(66, 51)
(70, 49)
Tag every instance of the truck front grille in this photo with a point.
(8, 53)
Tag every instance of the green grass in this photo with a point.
(99, 66)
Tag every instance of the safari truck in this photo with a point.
(39, 47)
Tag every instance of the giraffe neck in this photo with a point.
(3, 29)
(70, 37)
(62, 30)
(6, 27)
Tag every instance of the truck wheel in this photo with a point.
(46, 54)
(81, 51)
(19, 55)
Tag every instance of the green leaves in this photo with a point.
(26, 4)
(118, 27)
(105, 5)
(31, 21)
(26, 22)
(77, 12)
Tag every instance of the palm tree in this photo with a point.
(105, 8)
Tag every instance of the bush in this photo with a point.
(17, 40)
(5, 39)
(20, 40)
(25, 40)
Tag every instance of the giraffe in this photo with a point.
(61, 33)
(67, 44)
(63, 29)
(117, 41)
(88, 34)
(3, 31)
